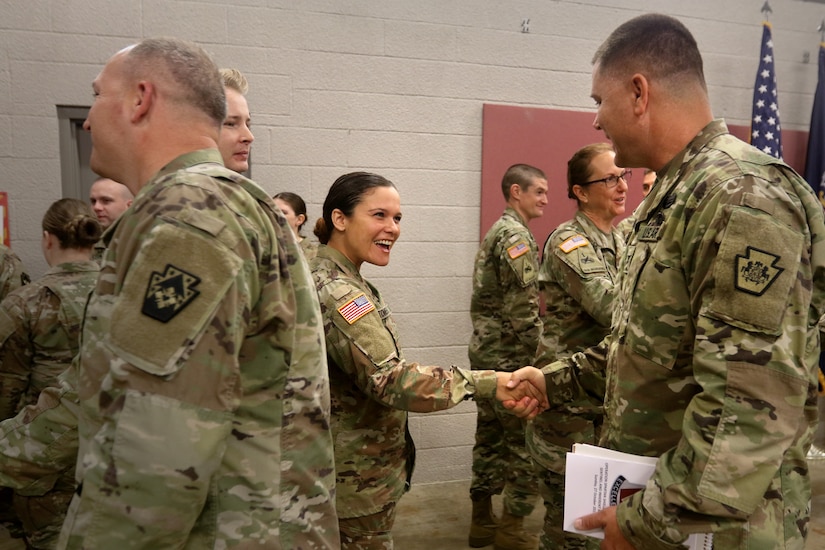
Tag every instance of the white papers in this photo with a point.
(596, 478)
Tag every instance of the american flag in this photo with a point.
(356, 308)
(766, 134)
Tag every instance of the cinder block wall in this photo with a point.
(392, 86)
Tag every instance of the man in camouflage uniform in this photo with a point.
(506, 329)
(711, 363)
(109, 199)
(202, 397)
(12, 273)
(12, 276)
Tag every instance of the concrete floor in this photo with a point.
(437, 516)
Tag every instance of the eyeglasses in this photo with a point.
(612, 181)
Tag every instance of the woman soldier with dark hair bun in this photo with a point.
(39, 336)
(372, 385)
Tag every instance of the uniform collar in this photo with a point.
(73, 267)
(671, 173)
(511, 212)
(343, 263)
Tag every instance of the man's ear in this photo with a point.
(143, 100)
(641, 93)
(515, 191)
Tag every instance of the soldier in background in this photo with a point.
(295, 212)
(235, 140)
(109, 199)
(577, 280)
(39, 337)
(12, 277)
(712, 357)
(626, 225)
(218, 349)
(12, 273)
(506, 328)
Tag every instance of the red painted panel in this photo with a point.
(547, 138)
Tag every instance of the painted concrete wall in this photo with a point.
(392, 86)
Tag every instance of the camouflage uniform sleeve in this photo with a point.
(571, 262)
(368, 352)
(576, 267)
(41, 442)
(578, 380)
(181, 388)
(12, 274)
(15, 354)
(749, 283)
(518, 268)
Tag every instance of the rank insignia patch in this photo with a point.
(518, 249)
(168, 293)
(356, 308)
(756, 271)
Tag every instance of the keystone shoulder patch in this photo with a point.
(756, 271)
(168, 293)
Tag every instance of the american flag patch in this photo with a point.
(518, 249)
(573, 243)
(356, 308)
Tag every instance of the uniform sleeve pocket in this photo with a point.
(172, 291)
(759, 421)
(754, 271)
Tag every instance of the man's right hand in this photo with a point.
(525, 393)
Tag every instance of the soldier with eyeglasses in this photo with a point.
(577, 280)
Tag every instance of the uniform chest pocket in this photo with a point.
(658, 304)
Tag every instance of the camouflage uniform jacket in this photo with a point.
(98, 251)
(202, 386)
(40, 332)
(625, 227)
(713, 353)
(373, 387)
(12, 274)
(309, 248)
(577, 279)
(505, 304)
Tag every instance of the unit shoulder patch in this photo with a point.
(572, 243)
(168, 293)
(356, 308)
(756, 271)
